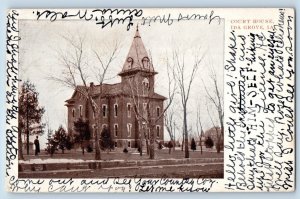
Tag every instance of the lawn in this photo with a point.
(131, 155)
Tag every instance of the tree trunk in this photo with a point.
(182, 143)
(186, 139)
(151, 147)
(147, 146)
(20, 147)
(147, 143)
(174, 144)
(218, 144)
(97, 148)
(201, 145)
(141, 147)
(141, 139)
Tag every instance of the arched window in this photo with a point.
(80, 110)
(104, 126)
(104, 110)
(145, 62)
(157, 111)
(129, 127)
(129, 110)
(145, 85)
(130, 62)
(116, 110)
(116, 128)
(157, 130)
(94, 130)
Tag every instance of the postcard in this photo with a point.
(150, 100)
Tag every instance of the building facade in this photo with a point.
(124, 107)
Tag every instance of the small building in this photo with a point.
(120, 102)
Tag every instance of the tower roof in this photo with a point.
(137, 58)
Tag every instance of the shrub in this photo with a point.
(106, 142)
(193, 144)
(160, 145)
(209, 143)
(89, 149)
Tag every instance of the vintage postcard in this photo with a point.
(150, 100)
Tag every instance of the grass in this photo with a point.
(131, 155)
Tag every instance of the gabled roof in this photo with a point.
(72, 99)
(137, 58)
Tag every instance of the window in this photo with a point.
(104, 126)
(80, 110)
(145, 62)
(145, 110)
(129, 110)
(145, 106)
(116, 110)
(116, 130)
(73, 112)
(130, 62)
(129, 144)
(129, 127)
(145, 86)
(116, 144)
(157, 111)
(157, 130)
(94, 130)
(104, 110)
(131, 78)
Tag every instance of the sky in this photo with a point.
(42, 44)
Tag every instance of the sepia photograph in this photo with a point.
(150, 100)
(95, 102)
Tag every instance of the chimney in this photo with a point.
(91, 87)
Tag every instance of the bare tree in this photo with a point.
(139, 112)
(185, 83)
(199, 127)
(218, 135)
(170, 125)
(214, 96)
(75, 76)
(143, 114)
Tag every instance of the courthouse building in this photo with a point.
(121, 101)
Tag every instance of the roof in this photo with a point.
(137, 58)
(109, 90)
(158, 96)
